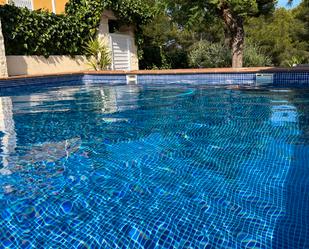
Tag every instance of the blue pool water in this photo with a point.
(154, 167)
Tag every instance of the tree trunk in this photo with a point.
(234, 28)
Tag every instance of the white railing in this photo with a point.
(22, 3)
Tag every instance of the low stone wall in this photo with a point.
(31, 65)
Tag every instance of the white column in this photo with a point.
(3, 65)
(54, 6)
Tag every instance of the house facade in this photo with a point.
(119, 38)
(56, 6)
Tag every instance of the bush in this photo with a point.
(254, 56)
(40, 32)
(154, 58)
(98, 55)
(208, 55)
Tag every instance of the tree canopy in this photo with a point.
(174, 33)
(231, 12)
(257, 29)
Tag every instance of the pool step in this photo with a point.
(131, 79)
(264, 79)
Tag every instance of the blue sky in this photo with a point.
(282, 3)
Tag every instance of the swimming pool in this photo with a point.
(154, 166)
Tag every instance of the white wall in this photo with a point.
(3, 66)
(29, 65)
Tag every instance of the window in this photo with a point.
(22, 3)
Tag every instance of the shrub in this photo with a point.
(40, 32)
(254, 56)
(98, 55)
(205, 54)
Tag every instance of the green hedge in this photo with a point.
(40, 32)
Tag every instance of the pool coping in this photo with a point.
(167, 72)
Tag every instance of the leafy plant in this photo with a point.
(98, 55)
(232, 13)
(281, 36)
(205, 54)
(294, 61)
(254, 56)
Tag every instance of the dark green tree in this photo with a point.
(302, 14)
(281, 36)
(168, 40)
(233, 14)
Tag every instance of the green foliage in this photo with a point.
(231, 12)
(293, 61)
(98, 55)
(208, 55)
(279, 36)
(204, 54)
(301, 14)
(42, 33)
(154, 58)
(167, 43)
(254, 56)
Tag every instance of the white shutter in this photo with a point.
(23, 3)
(121, 51)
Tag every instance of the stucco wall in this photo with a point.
(103, 34)
(46, 5)
(42, 4)
(27, 65)
(3, 65)
(60, 6)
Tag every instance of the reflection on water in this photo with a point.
(7, 127)
(115, 99)
(108, 99)
(146, 166)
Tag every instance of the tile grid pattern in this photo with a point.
(297, 79)
(157, 167)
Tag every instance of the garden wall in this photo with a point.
(31, 65)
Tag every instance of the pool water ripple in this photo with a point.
(173, 166)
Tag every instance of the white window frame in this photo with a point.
(31, 7)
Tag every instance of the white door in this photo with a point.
(121, 51)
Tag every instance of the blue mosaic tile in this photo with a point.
(105, 79)
(299, 79)
(209, 79)
(154, 166)
(46, 81)
(295, 79)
